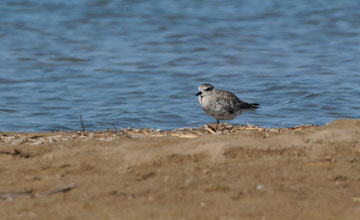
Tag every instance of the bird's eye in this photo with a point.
(208, 89)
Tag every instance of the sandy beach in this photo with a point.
(234, 172)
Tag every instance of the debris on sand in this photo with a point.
(110, 135)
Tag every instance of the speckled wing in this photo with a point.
(232, 103)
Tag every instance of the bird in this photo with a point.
(221, 104)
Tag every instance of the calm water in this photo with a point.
(138, 63)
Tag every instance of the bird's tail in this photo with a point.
(246, 105)
(255, 105)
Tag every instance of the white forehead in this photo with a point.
(205, 86)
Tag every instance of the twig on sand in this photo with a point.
(62, 189)
(82, 125)
(211, 129)
(127, 168)
(11, 196)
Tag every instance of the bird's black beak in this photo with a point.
(199, 93)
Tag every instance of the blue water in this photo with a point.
(139, 63)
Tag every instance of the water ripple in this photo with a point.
(139, 63)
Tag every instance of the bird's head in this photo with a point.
(205, 89)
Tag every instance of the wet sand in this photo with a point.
(233, 172)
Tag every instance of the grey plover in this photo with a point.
(220, 104)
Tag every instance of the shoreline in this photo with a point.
(48, 137)
(235, 172)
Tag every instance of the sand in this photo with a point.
(239, 172)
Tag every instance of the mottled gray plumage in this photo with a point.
(220, 104)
